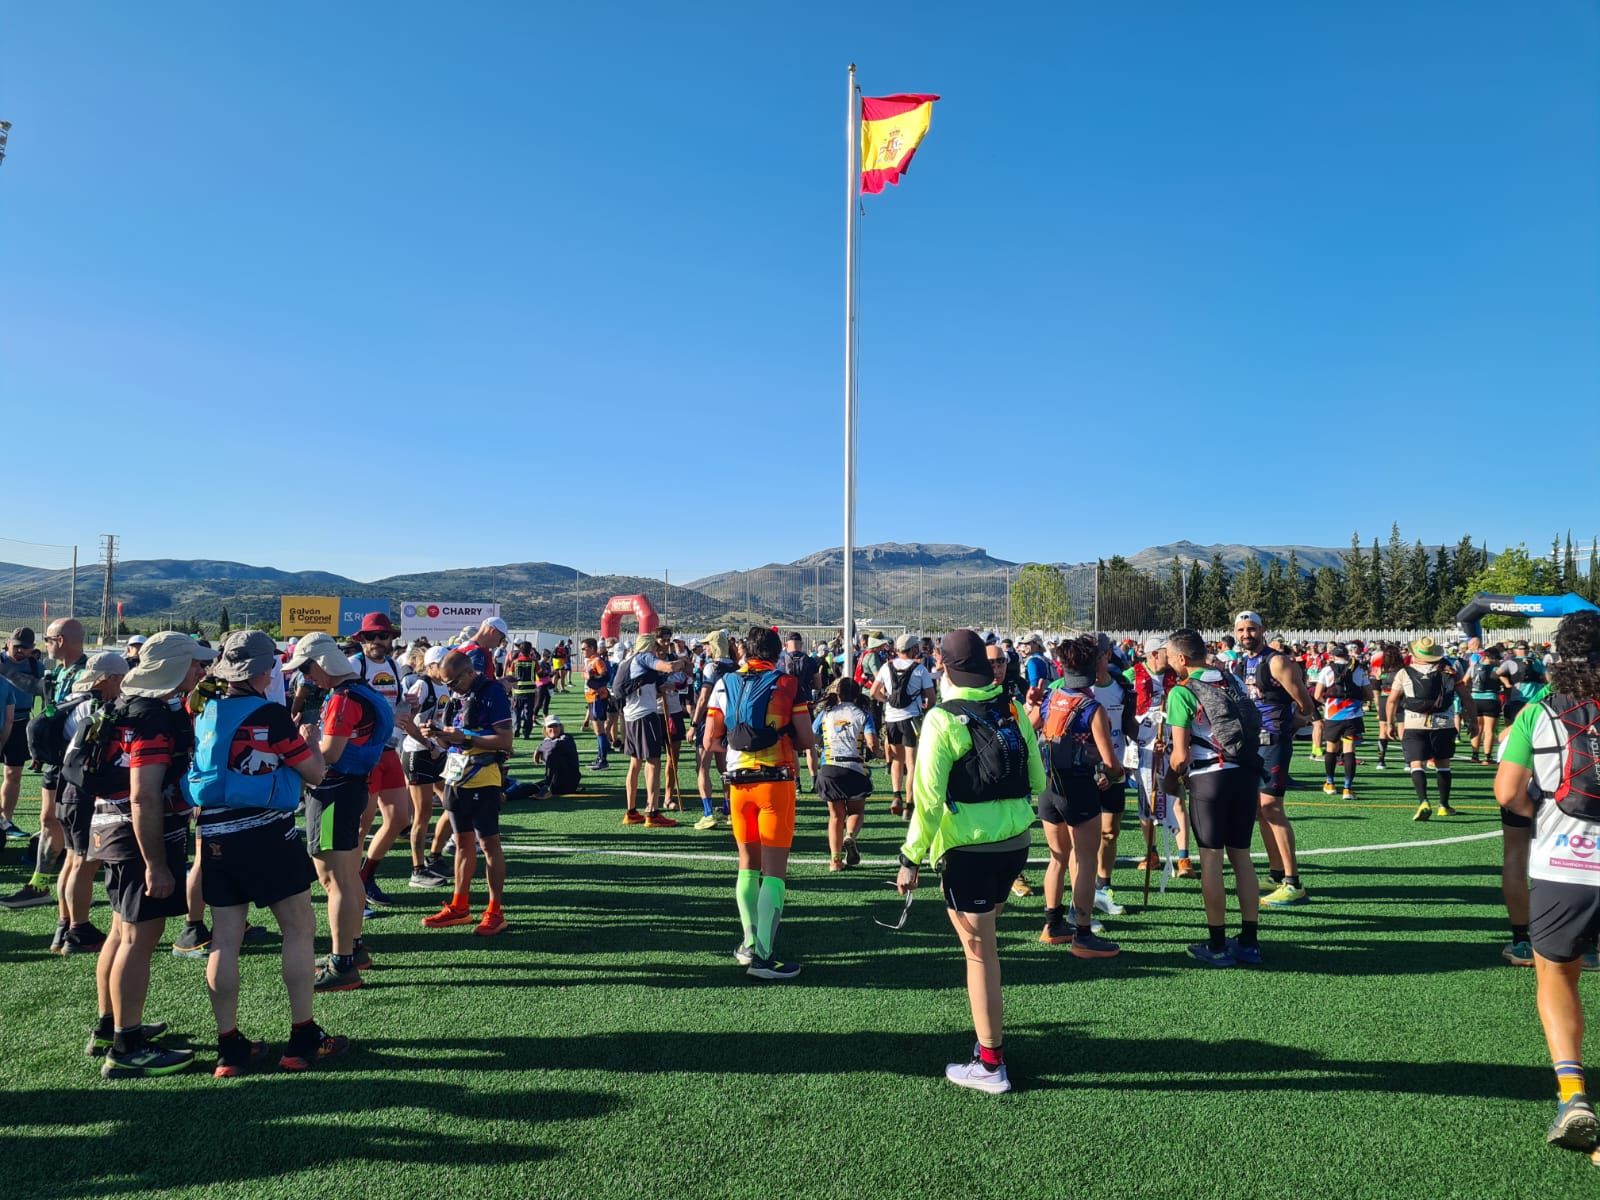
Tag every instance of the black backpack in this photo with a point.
(630, 681)
(1344, 684)
(996, 768)
(1441, 685)
(1234, 718)
(1483, 677)
(900, 695)
(92, 751)
(1578, 793)
(47, 734)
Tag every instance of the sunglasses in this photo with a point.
(905, 912)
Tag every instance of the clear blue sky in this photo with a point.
(438, 265)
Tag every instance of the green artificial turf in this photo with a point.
(608, 1046)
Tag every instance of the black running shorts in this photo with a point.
(125, 888)
(675, 728)
(838, 785)
(979, 881)
(1487, 708)
(474, 810)
(260, 864)
(1420, 745)
(1563, 918)
(902, 733)
(1069, 800)
(423, 767)
(333, 813)
(1275, 760)
(15, 751)
(1350, 731)
(74, 811)
(644, 738)
(1222, 809)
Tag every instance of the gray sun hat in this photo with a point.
(245, 654)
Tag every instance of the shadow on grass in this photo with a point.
(162, 1136)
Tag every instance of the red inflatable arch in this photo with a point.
(628, 606)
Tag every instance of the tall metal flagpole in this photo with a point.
(852, 184)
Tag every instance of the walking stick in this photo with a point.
(1157, 807)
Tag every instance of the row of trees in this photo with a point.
(1400, 585)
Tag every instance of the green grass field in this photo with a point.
(608, 1046)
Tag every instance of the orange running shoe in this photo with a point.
(491, 924)
(656, 821)
(448, 916)
(1186, 869)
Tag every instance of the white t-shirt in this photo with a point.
(644, 701)
(1335, 709)
(383, 678)
(275, 689)
(415, 689)
(840, 734)
(1565, 849)
(1111, 698)
(919, 686)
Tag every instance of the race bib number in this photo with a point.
(1265, 738)
(1441, 721)
(455, 768)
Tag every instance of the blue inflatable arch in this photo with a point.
(1485, 604)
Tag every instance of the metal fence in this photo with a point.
(37, 585)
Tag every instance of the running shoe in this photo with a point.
(439, 867)
(237, 1055)
(1424, 812)
(82, 939)
(100, 1043)
(1518, 954)
(979, 1076)
(1380, 765)
(771, 968)
(852, 858)
(1286, 896)
(836, 864)
(363, 960)
(744, 954)
(1151, 858)
(423, 877)
(1105, 900)
(1245, 956)
(58, 939)
(1347, 794)
(330, 979)
(633, 817)
(1202, 952)
(446, 917)
(14, 832)
(1056, 930)
(27, 896)
(725, 813)
(309, 1045)
(449, 846)
(597, 765)
(1096, 925)
(655, 820)
(375, 894)
(706, 822)
(491, 924)
(1575, 1127)
(150, 1060)
(193, 942)
(1021, 887)
(1328, 789)
(1590, 962)
(1446, 811)
(1186, 869)
(1093, 946)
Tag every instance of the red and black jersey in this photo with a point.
(144, 733)
(267, 740)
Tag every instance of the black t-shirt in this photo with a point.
(560, 757)
(144, 733)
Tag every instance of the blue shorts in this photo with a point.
(599, 710)
(1275, 760)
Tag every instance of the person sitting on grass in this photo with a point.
(559, 754)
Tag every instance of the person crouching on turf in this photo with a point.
(356, 722)
(757, 715)
(844, 732)
(559, 754)
(248, 767)
(1549, 772)
(140, 831)
(978, 768)
(477, 733)
(1224, 803)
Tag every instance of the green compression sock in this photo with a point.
(768, 911)
(747, 891)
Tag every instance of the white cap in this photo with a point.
(497, 623)
(1154, 642)
(434, 655)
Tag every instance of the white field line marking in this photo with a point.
(688, 856)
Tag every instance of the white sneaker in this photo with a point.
(978, 1077)
(706, 823)
(1106, 901)
(1096, 925)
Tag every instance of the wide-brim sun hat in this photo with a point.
(163, 664)
(1425, 649)
(246, 653)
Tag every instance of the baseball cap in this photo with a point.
(1153, 643)
(137, 639)
(966, 661)
(497, 623)
(100, 666)
(907, 641)
(552, 719)
(435, 655)
(246, 653)
(321, 649)
(1253, 617)
(23, 636)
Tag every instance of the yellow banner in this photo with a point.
(300, 615)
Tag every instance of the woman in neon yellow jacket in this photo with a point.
(978, 769)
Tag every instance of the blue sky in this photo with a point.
(434, 269)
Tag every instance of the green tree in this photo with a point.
(1327, 599)
(223, 625)
(1569, 568)
(1380, 588)
(1249, 587)
(1277, 596)
(1173, 596)
(1129, 599)
(1213, 599)
(1039, 598)
(1591, 581)
(1357, 611)
(1299, 593)
(1196, 586)
(1415, 594)
(122, 628)
(1513, 572)
(1396, 560)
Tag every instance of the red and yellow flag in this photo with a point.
(891, 128)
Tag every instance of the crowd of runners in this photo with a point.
(198, 781)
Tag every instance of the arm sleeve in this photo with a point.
(939, 749)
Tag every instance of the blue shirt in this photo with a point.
(1039, 670)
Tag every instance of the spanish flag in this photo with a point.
(891, 128)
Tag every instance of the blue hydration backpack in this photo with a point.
(212, 783)
(748, 699)
(359, 760)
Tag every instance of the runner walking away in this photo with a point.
(1215, 733)
(355, 726)
(21, 668)
(1549, 773)
(1523, 677)
(1383, 666)
(559, 755)
(249, 764)
(645, 737)
(1081, 763)
(904, 688)
(597, 695)
(523, 670)
(1113, 693)
(140, 831)
(477, 731)
(807, 668)
(1422, 706)
(718, 662)
(1343, 689)
(755, 714)
(424, 761)
(846, 737)
(387, 791)
(978, 772)
(1152, 679)
(93, 693)
(1486, 700)
(1276, 685)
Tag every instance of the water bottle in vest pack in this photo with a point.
(1069, 732)
(749, 697)
(900, 695)
(47, 734)
(1578, 730)
(212, 782)
(996, 768)
(1235, 721)
(91, 751)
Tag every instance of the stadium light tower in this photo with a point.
(5, 133)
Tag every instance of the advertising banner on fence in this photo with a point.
(440, 622)
(300, 615)
(351, 612)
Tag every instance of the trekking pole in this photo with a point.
(1157, 808)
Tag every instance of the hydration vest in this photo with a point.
(996, 768)
(1439, 695)
(359, 759)
(212, 782)
(1578, 728)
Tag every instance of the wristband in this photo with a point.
(907, 863)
